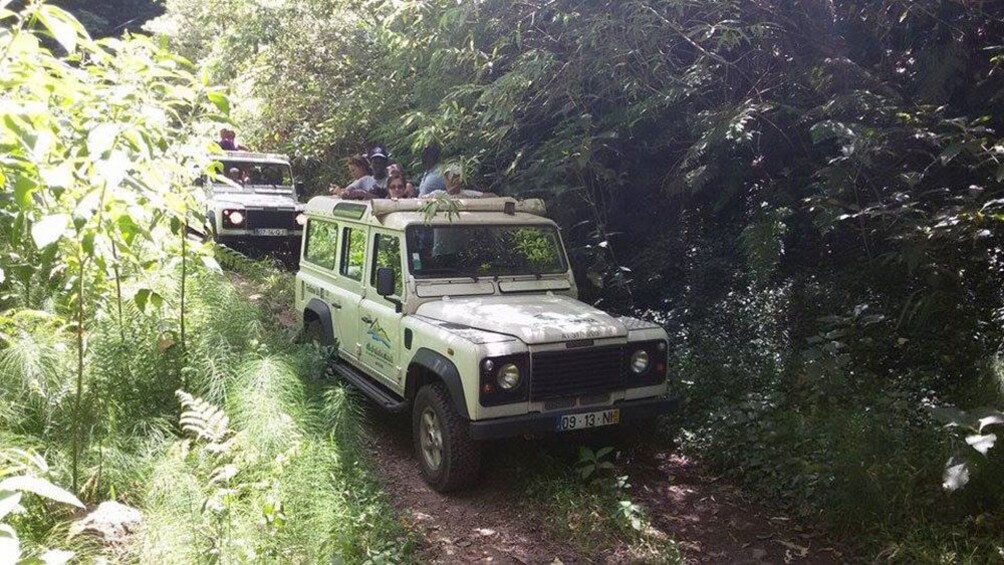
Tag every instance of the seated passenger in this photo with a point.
(273, 176)
(397, 187)
(226, 140)
(376, 183)
(455, 186)
(235, 175)
(358, 168)
(432, 178)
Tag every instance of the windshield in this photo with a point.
(246, 174)
(484, 251)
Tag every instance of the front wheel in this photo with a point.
(449, 458)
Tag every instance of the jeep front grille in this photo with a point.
(272, 218)
(577, 372)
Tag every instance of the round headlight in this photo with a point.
(508, 377)
(639, 361)
(301, 219)
(236, 218)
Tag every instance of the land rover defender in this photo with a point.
(254, 205)
(468, 318)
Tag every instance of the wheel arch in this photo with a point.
(316, 309)
(428, 366)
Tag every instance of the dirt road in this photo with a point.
(497, 522)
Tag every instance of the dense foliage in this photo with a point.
(111, 314)
(808, 194)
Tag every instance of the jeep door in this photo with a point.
(379, 320)
(349, 288)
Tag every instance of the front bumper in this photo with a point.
(539, 423)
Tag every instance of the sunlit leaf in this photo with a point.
(956, 475)
(9, 501)
(41, 487)
(220, 100)
(49, 229)
(10, 546)
(100, 139)
(981, 443)
(991, 420)
(64, 28)
(211, 264)
(57, 557)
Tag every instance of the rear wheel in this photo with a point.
(313, 332)
(449, 458)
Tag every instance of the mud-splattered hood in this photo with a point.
(531, 318)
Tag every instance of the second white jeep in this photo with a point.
(469, 319)
(254, 205)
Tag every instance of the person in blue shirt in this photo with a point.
(432, 178)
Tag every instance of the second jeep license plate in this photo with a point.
(588, 420)
(273, 231)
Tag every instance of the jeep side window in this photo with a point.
(353, 253)
(387, 253)
(321, 246)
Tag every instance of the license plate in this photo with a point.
(587, 420)
(273, 231)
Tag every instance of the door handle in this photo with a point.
(367, 320)
(336, 305)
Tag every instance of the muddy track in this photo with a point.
(496, 521)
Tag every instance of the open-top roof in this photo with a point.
(398, 213)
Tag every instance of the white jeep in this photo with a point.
(254, 204)
(469, 318)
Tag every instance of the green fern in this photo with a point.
(203, 420)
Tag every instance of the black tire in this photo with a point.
(460, 456)
(313, 331)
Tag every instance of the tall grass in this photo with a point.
(291, 484)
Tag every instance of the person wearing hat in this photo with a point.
(375, 184)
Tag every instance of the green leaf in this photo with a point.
(63, 27)
(41, 487)
(951, 152)
(9, 501)
(23, 188)
(220, 100)
(146, 296)
(49, 229)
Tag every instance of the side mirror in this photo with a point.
(301, 189)
(385, 281)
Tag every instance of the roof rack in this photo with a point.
(254, 156)
(509, 205)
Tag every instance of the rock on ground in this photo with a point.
(111, 521)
